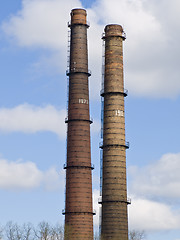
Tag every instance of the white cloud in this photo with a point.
(150, 57)
(20, 175)
(96, 207)
(54, 180)
(41, 23)
(155, 196)
(158, 180)
(96, 126)
(150, 215)
(30, 119)
(145, 214)
(151, 50)
(154, 191)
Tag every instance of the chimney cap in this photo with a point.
(78, 17)
(80, 11)
(113, 30)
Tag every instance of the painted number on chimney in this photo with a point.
(82, 100)
(119, 113)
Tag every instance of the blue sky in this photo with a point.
(33, 47)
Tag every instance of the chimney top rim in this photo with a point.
(79, 11)
(113, 26)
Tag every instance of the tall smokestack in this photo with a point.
(114, 220)
(78, 208)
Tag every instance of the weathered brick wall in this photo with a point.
(114, 224)
(78, 209)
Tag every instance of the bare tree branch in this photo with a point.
(13, 231)
(137, 235)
